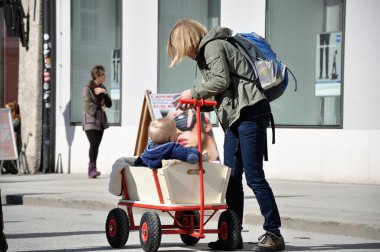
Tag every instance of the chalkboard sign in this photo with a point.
(8, 149)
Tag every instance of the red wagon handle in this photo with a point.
(198, 104)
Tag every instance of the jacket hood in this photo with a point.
(155, 151)
(153, 154)
(214, 33)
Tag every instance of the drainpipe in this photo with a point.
(48, 78)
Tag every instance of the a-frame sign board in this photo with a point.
(8, 147)
(145, 118)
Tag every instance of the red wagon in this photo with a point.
(190, 194)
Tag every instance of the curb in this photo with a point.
(302, 224)
(33, 200)
(318, 226)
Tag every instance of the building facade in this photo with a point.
(327, 131)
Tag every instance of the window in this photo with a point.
(308, 38)
(89, 20)
(183, 76)
(96, 40)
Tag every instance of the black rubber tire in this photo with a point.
(117, 228)
(150, 231)
(186, 217)
(229, 230)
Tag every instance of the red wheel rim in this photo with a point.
(144, 231)
(223, 231)
(112, 228)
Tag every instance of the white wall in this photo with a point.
(348, 155)
(329, 155)
(361, 66)
(140, 22)
(243, 15)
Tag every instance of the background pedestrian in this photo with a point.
(94, 121)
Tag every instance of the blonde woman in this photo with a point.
(94, 121)
(244, 114)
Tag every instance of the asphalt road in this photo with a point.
(35, 228)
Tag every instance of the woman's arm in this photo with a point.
(107, 98)
(89, 104)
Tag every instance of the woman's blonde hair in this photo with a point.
(184, 37)
(161, 130)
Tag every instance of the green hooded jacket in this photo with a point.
(219, 62)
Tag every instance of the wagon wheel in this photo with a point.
(229, 229)
(117, 228)
(150, 231)
(185, 219)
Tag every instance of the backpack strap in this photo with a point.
(265, 147)
(273, 137)
(273, 126)
(294, 77)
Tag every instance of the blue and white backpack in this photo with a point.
(271, 75)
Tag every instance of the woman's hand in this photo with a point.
(184, 95)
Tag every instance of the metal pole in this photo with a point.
(201, 174)
(48, 81)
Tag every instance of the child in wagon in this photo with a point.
(163, 145)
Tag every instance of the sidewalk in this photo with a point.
(342, 209)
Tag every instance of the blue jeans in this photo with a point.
(244, 146)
